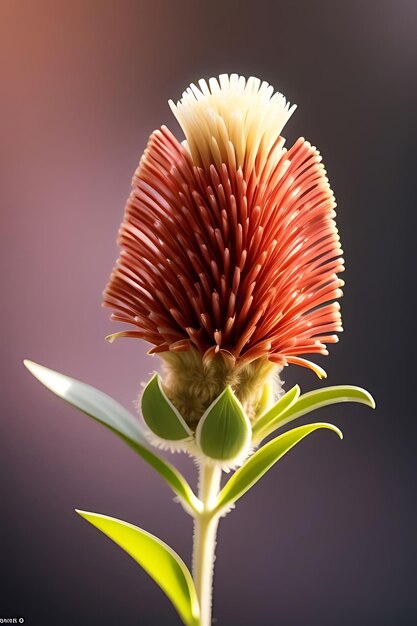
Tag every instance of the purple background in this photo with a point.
(328, 536)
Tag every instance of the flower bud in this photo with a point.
(224, 431)
(160, 415)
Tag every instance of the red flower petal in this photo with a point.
(238, 255)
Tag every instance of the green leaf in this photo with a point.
(316, 400)
(161, 415)
(114, 416)
(159, 560)
(275, 411)
(263, 459)
(224, 431)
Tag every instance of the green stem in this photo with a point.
(205, 530)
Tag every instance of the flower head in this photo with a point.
(229, 247)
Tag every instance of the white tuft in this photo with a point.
(246, 113)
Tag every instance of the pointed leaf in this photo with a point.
(159, 560)
(260, 462)
(160, 415)
(224, 431)
(316, 400)
(275, 411)
(114, 416)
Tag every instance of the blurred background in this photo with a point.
(328, 536)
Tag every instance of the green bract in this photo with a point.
(159, 560)
(160, 414)
(224, 431)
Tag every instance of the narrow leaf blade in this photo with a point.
(90, 401)
(114, 416)
(287, 400)
(318, 399)
(159, 560)
(263, 459)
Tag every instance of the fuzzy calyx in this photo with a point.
(192, 382)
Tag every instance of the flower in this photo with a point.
(229, 249)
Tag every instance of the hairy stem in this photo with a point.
(205, 530)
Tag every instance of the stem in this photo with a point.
(205, 530)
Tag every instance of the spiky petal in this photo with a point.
(228, 242)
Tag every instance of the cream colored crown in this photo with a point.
(232, 120)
